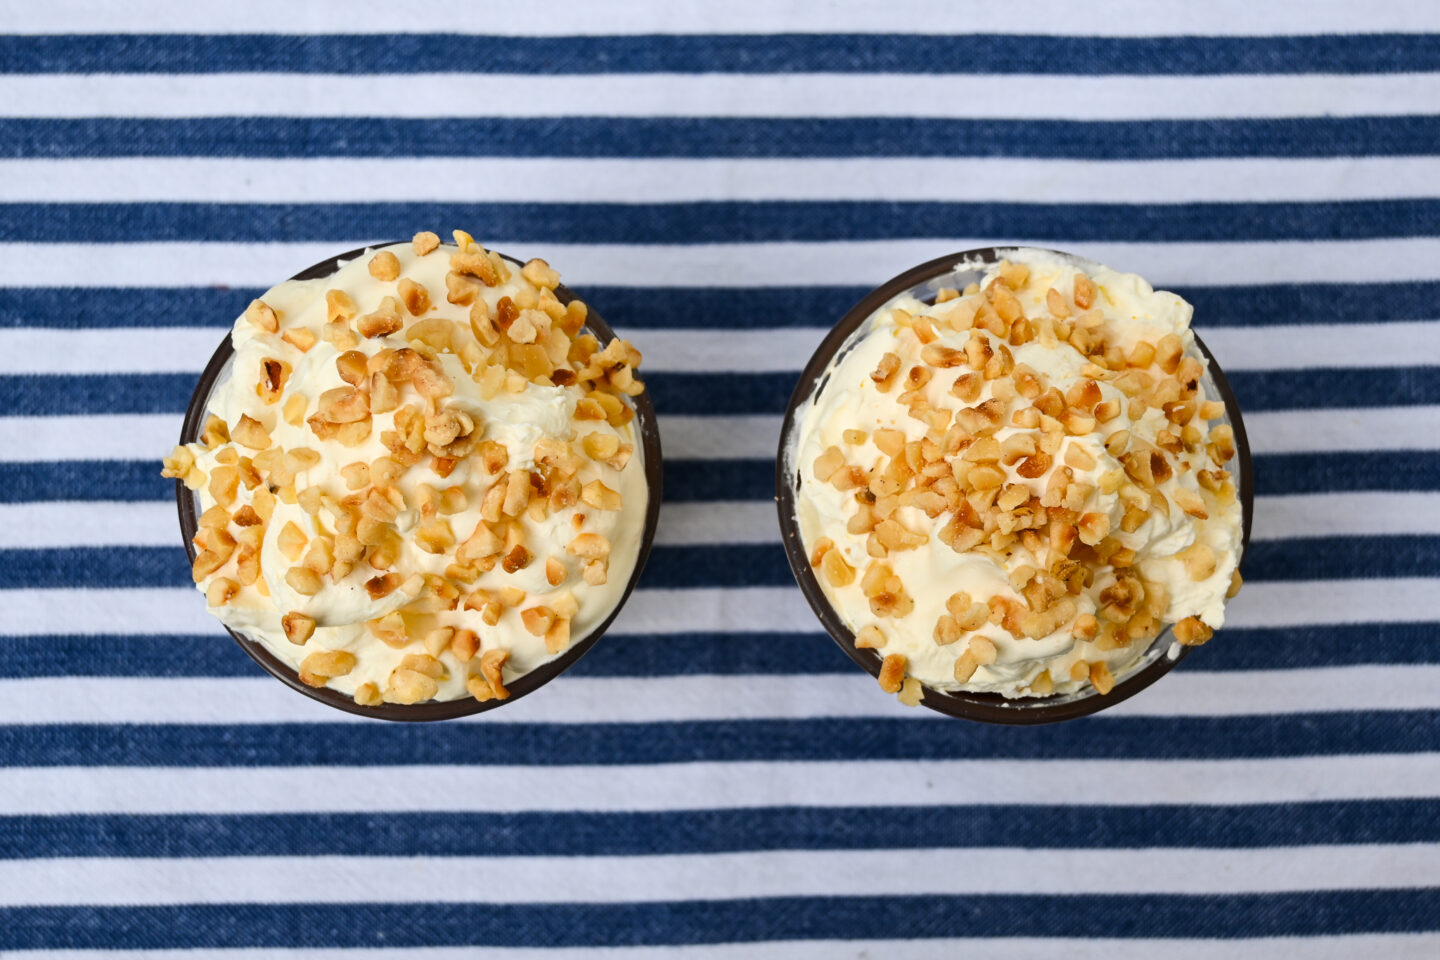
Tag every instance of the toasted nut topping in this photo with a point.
(298, 627)
(517, 559)
(338, 305)
(491, 662)
(249, 432)
(1084, 291)
(303, 581)
(539, 273)
(892, 673)
(884, 373)
(410, 686)
(1101, 678)
(476, 264)
(386, 266)
(1199, 561)
(221, 591)
(261, 315)
(322, 665)
(870, 638)
(589, 546)
(1192, 632)
(384, 321)
(599, 496)
(425, 242)
(415, 297)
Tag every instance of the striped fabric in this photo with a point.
(722, 180)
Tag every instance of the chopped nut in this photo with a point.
(386, 266)
(249, 432)
(1199, 561)
(1191, 502)
(383, 321)
(892, 673)
(273, 375)
(1101, 678)
(836, 570)
(1192, 632)
(261, 315)
(298, 627)
(491, 662)
(414, 296)
(884, 372)
(599, 496)
(303, 581)
(322, 665)
(338, 306)
(407, 686)
(368, 695)
(537, 620)
(301, 338)
(424, 243)
(221, 591)
(869, 638)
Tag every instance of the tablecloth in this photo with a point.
(722, 180)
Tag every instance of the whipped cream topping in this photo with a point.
(1181, 524)
(441, 503)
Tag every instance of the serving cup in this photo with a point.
(188, 502)
(924, 282)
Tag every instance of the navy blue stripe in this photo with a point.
(779, 53)
(731, 565)
(712, 308)
(598, 833)
(729, 393)
(750, 920)
(1281, 474)
(71, 480)
(719, 654)
(763, 221)
(690, 481)
(586, 137)
(838, 738)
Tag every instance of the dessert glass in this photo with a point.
(924, 282)
(647, 430)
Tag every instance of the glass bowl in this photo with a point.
(924, 282)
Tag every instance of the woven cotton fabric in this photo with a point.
(722, 181)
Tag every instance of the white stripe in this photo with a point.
(643, 180)
(1371, 428)
(140, 881)
(90, 523)
(781, 350)
(166, 610)
(835, 95)
(589, 700)
(1124, 18)
(703, 785)
(1392, 946)
(1324, 345)
(714, 521)
(142, 436)
(821, 263)
(1346, 514)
